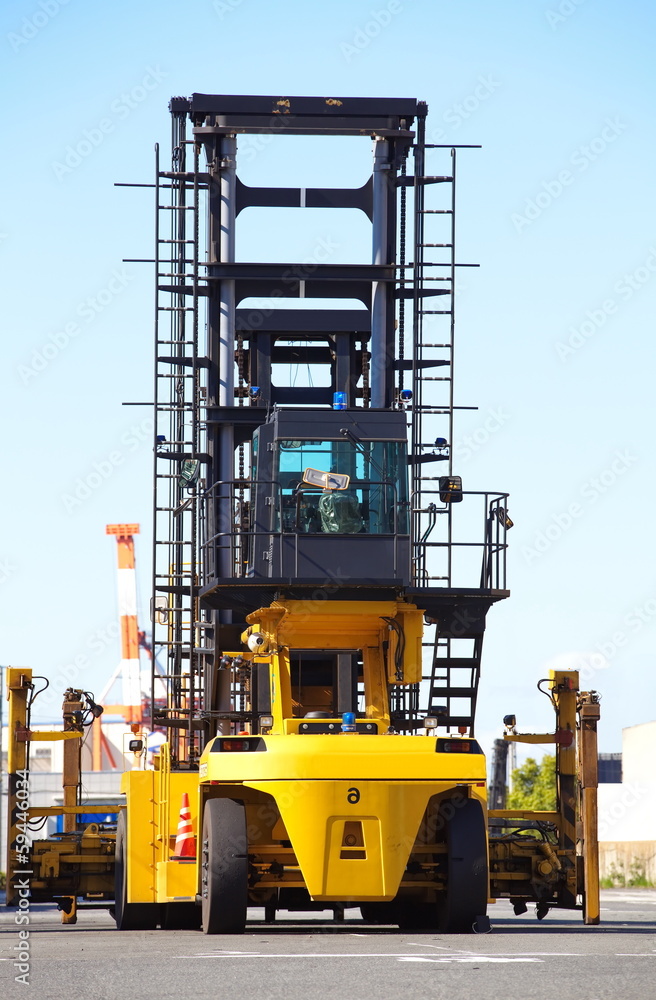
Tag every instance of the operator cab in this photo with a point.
(330, 496)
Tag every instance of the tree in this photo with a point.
(534, 785)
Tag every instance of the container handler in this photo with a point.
(321, 577)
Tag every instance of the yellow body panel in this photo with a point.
(152, 821)
(138, 786)
(176, 881)
(344, 756)
(316, 814)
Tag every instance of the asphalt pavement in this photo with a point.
(308, 957)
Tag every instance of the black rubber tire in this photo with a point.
(129, 916)
(181, 917)
(467, 868)
(224, 867)
(380, 913)
(416, 916)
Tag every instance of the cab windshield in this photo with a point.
(373, 502)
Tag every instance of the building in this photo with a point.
(627, 809)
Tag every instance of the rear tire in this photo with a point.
(129, 916)
(224, 867)
(467, 868)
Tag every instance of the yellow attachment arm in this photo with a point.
(27, 735)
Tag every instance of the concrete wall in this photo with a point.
(639, 855)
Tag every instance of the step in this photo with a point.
(185, 361)
(407, 365)
(451, 692)
(407, 180)
(456, 662)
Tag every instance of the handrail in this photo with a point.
(164, 794)
(493, 543)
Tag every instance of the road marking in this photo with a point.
(331, 954)
(400, 956)
(510, 954)
(490, 959)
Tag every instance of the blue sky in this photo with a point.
(555, 331)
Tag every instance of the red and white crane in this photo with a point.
(129, 667)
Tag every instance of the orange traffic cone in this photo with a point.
(185, 842)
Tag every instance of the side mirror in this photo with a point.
(450, 489)
(326, 480)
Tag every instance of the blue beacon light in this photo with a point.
(348, 722)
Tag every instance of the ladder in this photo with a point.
(179, 385)
(452, 662)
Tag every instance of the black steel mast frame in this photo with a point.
(214, 385)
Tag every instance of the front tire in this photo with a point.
(467, 867)
(224, 867)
